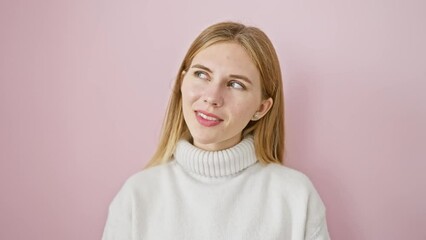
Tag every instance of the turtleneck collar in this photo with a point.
(216, 164)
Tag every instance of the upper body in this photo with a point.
(217, 171)
(225, 194)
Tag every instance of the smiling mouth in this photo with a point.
(204, 116)
(207, 120)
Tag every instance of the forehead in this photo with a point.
(228, 57)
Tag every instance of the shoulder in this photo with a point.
(139, 188)
(149, 176)
(285, 175)
(143, 183)
(288, 182)
(296, 187)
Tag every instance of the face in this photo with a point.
(221, 93)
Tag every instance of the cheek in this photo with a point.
(244, 107)
(190, 92)
(187, 100)
(242, 112)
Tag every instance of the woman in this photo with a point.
(217, 172)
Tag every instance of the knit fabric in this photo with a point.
(223, 194)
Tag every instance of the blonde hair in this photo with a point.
(268, 132)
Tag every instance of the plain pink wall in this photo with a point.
(84, 86)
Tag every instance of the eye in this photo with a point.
(236, 85)
(201, 74)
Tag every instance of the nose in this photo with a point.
(213, 95)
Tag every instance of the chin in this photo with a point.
(205, 139)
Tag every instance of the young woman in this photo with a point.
(217, 172)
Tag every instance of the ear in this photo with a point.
(263, 109)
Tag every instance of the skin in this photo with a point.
(223, 82)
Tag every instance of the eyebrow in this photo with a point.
(232, 75)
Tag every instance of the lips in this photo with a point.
(207, 119)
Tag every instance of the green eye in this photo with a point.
(201, 74)
(236, 85)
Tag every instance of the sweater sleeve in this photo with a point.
(320, 232)
(119, 221)
(316, 225)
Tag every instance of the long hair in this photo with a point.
(268, 132)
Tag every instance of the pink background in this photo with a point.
(84, 86)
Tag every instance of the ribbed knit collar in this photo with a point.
(216, 163)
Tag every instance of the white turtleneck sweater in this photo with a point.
(202, 195)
